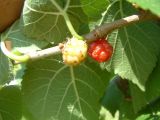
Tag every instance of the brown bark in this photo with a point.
(10, 10)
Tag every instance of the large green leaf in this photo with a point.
(113, 97)
(10, 103)
(42, 19)
(138, 98)
(142, 99)
(153, 83)
(152, 5)
(53, 90)
(94, 8)
(135, 47)
(115, 100)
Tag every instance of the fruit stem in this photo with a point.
(67, 20)
(22, 58)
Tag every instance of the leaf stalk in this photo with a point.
(67, 20)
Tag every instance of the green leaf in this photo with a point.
(152, 5)
(20, 42)
(135, 47)
(142, 99)
(115, 101)
(153, 83)
(113, 97)
(53, 90)
(106, 115)
(127, 111)
(138, 98)
(10, 103)
(23, 118)
(148, 117)
(19, 71)
(5, 69)
(94, 8)
(143, 117)
(42, 20)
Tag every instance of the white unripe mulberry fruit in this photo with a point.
(74, 51)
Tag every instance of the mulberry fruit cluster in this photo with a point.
(100, 50)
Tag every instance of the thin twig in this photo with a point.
(106, 28)
(44, 53)
(99, 32)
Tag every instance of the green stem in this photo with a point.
(70, 27)
(22, 58)
(67, 20)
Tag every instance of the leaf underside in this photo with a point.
(53, 90)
